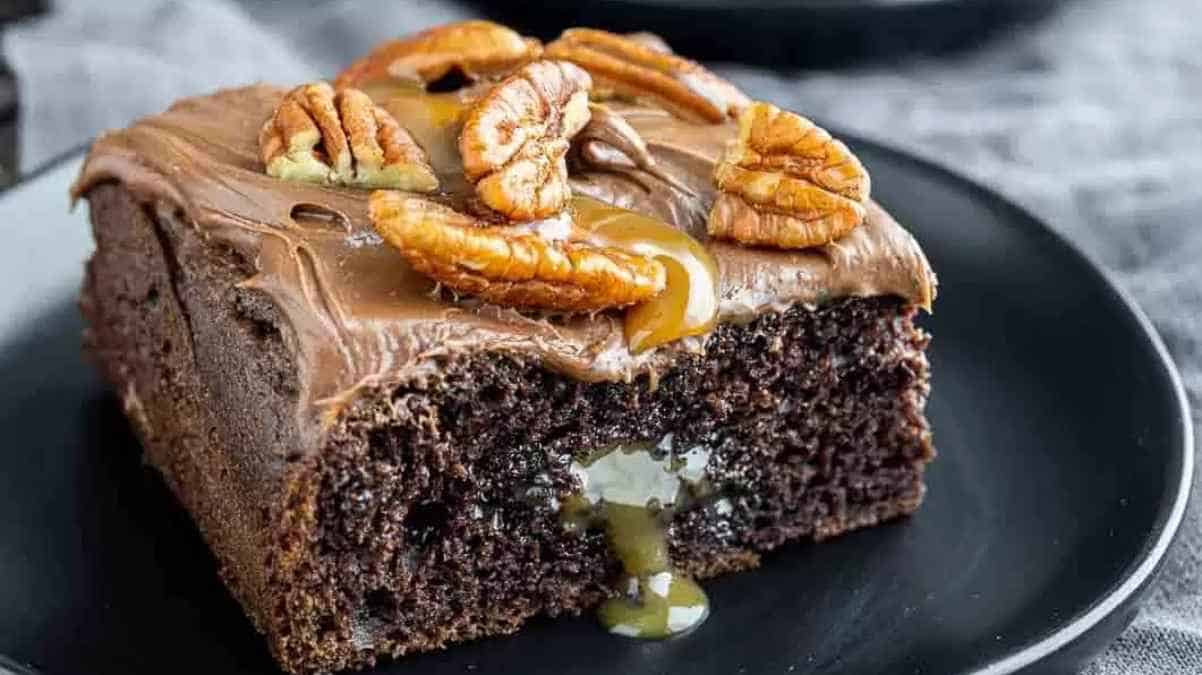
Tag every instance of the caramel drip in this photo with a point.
(687, 307)
(632, 491)
(689, 303)
(657, 601)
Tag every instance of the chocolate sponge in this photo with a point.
(425, 512)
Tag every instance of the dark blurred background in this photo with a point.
(10, 12)
(771, 33)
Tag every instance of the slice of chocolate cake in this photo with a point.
(594, 351)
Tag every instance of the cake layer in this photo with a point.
(427, 509)
(361, 318)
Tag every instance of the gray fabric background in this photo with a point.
(1093, 120)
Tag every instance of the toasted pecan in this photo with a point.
(515, 139)
(629, 67)
(477, 49)
(316, 135)
(511, 265)
(785, 182)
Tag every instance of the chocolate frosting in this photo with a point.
(361, 317)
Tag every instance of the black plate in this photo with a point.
(1065, 459)
(780, 32)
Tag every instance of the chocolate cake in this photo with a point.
(389, 453)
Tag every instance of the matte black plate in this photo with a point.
(1065, 458)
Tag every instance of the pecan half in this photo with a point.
(511, 265)
(477, 49)
(629, 67)
(785, 182)
(319, 136)
(516, 136)
(650, 40)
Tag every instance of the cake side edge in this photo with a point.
(208, 386)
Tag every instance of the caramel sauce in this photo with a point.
(689, 303)
(434, 120)
(630, 490)
(657, 601)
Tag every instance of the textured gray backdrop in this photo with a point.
(1093, 120)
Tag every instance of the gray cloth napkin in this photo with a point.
(1093, 120)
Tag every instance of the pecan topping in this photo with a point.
(516, 136)
(476, 49)
(629, 67)
(319, 136)
(651, 41)
(511, 265)
(785, 182)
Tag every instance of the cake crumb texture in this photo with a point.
(427, 512)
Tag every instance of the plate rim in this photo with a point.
(1136, 579)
